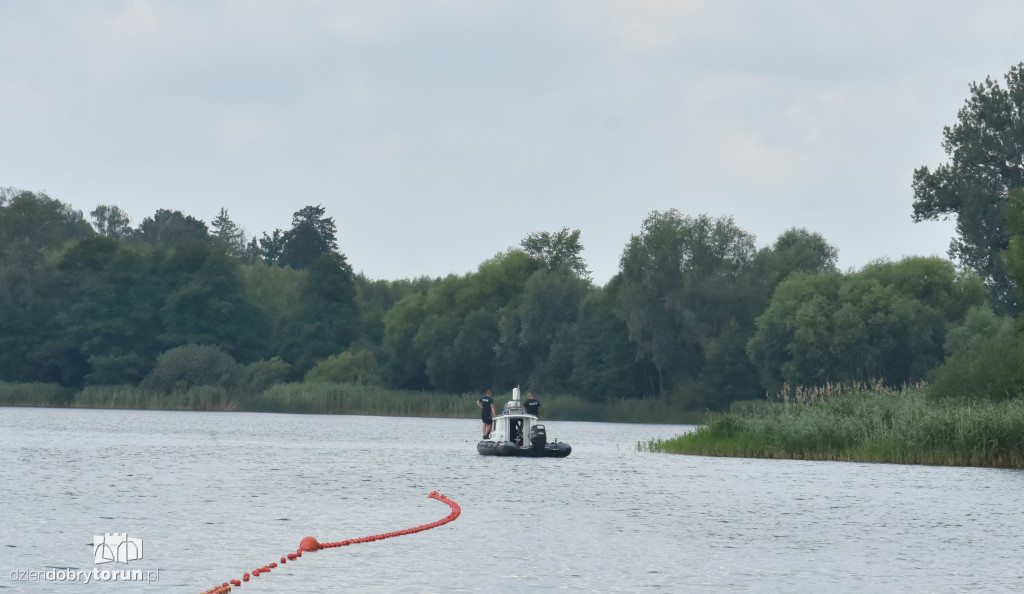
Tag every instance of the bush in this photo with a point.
(991, 369)
(181, 368)
(259, 376)
(355, 366)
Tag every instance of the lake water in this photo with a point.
(215, 495)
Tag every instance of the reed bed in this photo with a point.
(207, 398)
(336, 398)
(358, 399)
(34, 394)
(863, 424)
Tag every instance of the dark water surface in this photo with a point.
(215, 495)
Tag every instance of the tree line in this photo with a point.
(697, 315)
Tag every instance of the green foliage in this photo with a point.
(228, 236)
(325, 319)
(357, 366)
(536, 334)
(270, 247)
(168, 229)
(112, 222)
(979, 325)
(687, 283)
(310, 237)
(111, 314)
(33, 222)
(184, 367)
(985, 147)
(886, 322)
(359, 399)
(457, 324)
(1014, 254)
(405, 366)
(902, 427)
(276, 292)
(557, 251)
(261, 375)
(209, 305)
(797, 250)
(989, 368)
(606, 364)
(34, 394)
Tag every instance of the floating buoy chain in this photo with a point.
(310, 544)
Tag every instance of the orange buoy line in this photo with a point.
(310, 544)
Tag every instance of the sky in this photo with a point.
(439, 133)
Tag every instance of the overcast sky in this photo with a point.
(439, 133)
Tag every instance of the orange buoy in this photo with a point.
(309, 544)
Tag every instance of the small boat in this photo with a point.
(515, 432)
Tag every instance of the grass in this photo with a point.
(334, 398)
(863, 424)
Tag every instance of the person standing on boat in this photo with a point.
(486, 404)
(532, 405)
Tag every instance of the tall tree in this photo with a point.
(110, 315)
(606, 363)
(799, 250)
(269, 247)
(986, 150)
(208, 304)
(311, 236)
(686, 289)
(326, 318)
(110, 221)
(168, 229)
(227, 235)
(886, 322)
(557, 251)
(31, 222)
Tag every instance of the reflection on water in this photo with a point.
(215, 495)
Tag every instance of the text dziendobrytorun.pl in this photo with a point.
(81, 575)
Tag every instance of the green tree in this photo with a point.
(357, 366)
(606, 363)
(168, 229)
(404, 364)
(110, 221)
(191, 365)
(986, 351)
(986, 150)
(685, 281)
(459, 333)
(326, 319)
(228, 236)
(798, 250)
(887, 322)
(110, 314)
(31, 223)
(208, 304)
(311, 236)
(536, 339)
(557, 251)
(270, 246)
(980, 325)
(33, 229)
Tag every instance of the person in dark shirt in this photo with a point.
(486, 404)
(532, 405)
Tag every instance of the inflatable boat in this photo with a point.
(517, 433)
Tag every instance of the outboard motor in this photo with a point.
(538, 439)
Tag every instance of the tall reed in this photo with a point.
(338, 398)
(866, 424)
